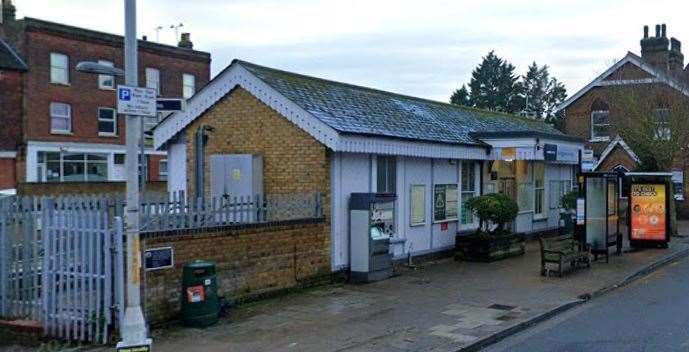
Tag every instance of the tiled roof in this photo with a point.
(351, 109)
(9, 60)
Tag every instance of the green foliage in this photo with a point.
(494, 208)
(461, 97)
(493, 85)
(569, 200)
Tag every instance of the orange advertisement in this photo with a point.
(648, 212)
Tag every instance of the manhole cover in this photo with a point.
(501, 307)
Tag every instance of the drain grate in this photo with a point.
(501, 306)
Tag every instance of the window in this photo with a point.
(445, 202)
(71, 167)
(60, 118)
(387, 172)
(558, 188)
(153, 79)
(162, 169)
(59, 68)
(468, 190)
(188, 85)
(417, 214)
(661, 118)
(524, 179)
(539, 189)
(600, 125)
(107, 122)
(105, 81)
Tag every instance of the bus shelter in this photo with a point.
(598, 218)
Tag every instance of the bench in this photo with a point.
(561, 250)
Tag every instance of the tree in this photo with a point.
(652, 120)
(493, 85)
(542, 93)
(461, 97)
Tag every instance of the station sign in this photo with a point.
(136, 101)
(170, 104)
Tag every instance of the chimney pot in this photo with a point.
(657, 31)
(144, 38)
(664, 30)
(645, 32)
(8, 12)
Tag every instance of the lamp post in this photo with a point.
(134, 331)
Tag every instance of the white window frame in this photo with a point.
(103, 78)
(152, 73)
(662, 132)
(54, 66)
(113, 120)
(67, 117)
(463, 193)
(595, 138)
(185, 85)
(163, 175)
(543, 214)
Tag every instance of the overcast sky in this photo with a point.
(422, 48)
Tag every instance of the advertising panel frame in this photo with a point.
(646, 179)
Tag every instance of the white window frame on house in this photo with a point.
(594, 137)
(162, 171)
(468, 190)
(59, 71)
(188, 88)
(153, 79)
(386, 174)
(539, 207)
(63, 161)
(112, 120)
(662, 131)
(67, 117)
(104, 79)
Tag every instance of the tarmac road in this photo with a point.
(651, 314)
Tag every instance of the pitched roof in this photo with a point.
(354, 109)
(337, 113)
(9, 60)
(611, 146)
(631, 58)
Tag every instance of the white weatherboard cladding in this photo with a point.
(236, 75)
(417, 171)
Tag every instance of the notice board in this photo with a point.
(648, 211)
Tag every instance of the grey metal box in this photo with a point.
(236, 175)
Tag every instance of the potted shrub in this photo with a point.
(492, 240)
(568, 203)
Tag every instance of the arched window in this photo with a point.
(620, 168)
(600, 121)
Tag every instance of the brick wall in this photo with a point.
(250, 262)
(618, 156)
(293, 161)
(10, 109)
(83, 93)
(7, 173)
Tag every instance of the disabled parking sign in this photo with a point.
(136, 101)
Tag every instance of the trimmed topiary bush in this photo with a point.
(495, 209)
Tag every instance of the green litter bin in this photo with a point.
(200, 304)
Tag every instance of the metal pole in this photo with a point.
(134, 328)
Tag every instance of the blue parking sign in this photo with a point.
(125, 94)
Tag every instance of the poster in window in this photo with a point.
(445, 202)
(418, 205)
(648, 212)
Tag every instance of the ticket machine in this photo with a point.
(371, 224)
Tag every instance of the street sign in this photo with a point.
(136, 101)
(170, 104)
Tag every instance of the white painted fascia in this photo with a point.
(611, 146)
(77, 147)
(8, 154)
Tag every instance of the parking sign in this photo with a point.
(136, 101)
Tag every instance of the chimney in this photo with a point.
(8, 12)
(655, 50)
(144, 38)
(676, 58)
(185, 42)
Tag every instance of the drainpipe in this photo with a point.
(199, 158)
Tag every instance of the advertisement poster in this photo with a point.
(648, 212)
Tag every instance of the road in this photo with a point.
(651, 314)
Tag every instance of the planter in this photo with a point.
(486, 248)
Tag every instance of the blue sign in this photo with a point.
(125, 94)
(550, 152)
(169, 105)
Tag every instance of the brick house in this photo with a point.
(316, 135)
(66, 125)
(592, 113)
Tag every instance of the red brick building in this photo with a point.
(65, 126)
(592, 113)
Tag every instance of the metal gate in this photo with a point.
(62, 266)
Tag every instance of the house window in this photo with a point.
(153, 79)
(523, 176)
(661, 118)
(107, 122)
(468, 190)
(73, 167)
(105, 81)
(539, 189)
(188, 85)
(59, 68)
(600, 125)
(387, 172)
(60, 118)
(162, 170)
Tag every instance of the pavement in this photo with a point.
(444, 305)
(651, 314)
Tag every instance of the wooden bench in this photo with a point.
(561, 250)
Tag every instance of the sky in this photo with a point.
(421, 48)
